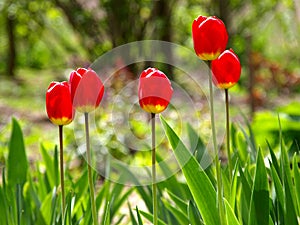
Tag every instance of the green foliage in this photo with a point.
(263, 190)
(290, 125)
(17, 164)
(259, 207)
(34, 197)
(198, 182)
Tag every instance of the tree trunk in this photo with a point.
(11, 61)
(162, 15)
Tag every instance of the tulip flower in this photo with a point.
(58, 103)
(86, 89)
(210, 37)
(60, 112)
(155, 91)
(226, 70)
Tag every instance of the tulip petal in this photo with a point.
(155, 91)
(58, 103)
(226, 70)
(86, 89)
(209, 36)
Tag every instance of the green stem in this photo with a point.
(217, 162)
(90, 176)
(228, 135)
(154, 194)
(62, 179)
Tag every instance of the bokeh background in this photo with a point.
(41, 41)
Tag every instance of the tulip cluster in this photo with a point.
(83, 92)
(210, 39)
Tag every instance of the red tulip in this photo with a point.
(155, 90)
(210, 37)
(226, 70)
(59, 104)
(86, 89)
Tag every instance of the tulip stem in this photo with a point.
(227, 135)
(217, 162)
(62, 179)
(154, 191)
(90, 176)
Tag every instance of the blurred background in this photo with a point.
(41, 41)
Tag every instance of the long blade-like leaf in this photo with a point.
(17, 164)
(197, 180)
(297, 181)
(259, 206)
(231, 218)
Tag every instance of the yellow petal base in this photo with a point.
(209, 56)
(226, 85)
(61, 121)
(154, 108)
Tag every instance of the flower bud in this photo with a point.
(86, 89)
(210, 37)
(154, 91)
(226, 70)
(59, 104)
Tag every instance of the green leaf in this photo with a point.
(41, 186)
(171, 183)
(3, 208)
(231, 218)
(196, 143)
(48, 207)
(197, 180)
(198, 149)
(274, 160)
(234, 185)
(297, 180)
(180, 203)
(9, 202)
(107, 214)
(233, 133)
(270, 220)
(19, 200)
(250, 141)
(149, 217)
(17, 164)
(50, 170)
(259, 205)
(289, 191)
(119, 200)
(242, 148)
(55, 165)
(139, 216)
(245, 195)
(132, 218)
(278, 187)
(102, 194)
(180, 216)
(193, 214)
(127, 175)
